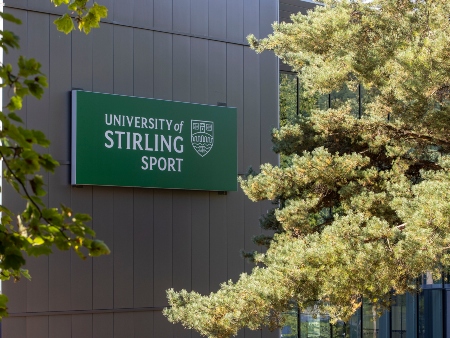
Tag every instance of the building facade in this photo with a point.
(181, 50)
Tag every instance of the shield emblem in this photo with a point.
(202, 136)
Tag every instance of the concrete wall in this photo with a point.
(187, 50)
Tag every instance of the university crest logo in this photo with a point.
(202, 136)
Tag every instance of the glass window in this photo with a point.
(370, 320)
(398, 316)
(430, 313)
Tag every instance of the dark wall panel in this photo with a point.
(123, 248)
(143, 13)
(143, 247)
(59, 326)
(162, 245)
(199, 17)
(143, 63)
(38, 118)
(59, 262)
(199, 71)
(15, 327)
(123, 325)
(81, 271)
(60, 78)
(200, 236)
(235, 88)
(217, 72)
(235, 20)
(162, 54)
(38, 327)
(182, 240)
(103, 325)
(162, 14)
(143, 324)
(217, 19)
(123, 12)
(81, 326)
(103, 267)
(251, 17)
(123, 60)
(103, 59)
(181, 21)
(181, 76)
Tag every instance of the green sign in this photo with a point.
(139, 142)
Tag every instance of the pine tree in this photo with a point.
(364, 198)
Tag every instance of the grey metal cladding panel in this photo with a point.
(102, 199)
(59, 326)
(217, 72)
(235, 20)
(199, 17)
(13, 54)
(143, 63)
(143, 324)
(181, 19)
(252, 213)
(123, 247)
(270, 334)
(81, 326)
(162, 14)
(235, 98)
(14, 327)
(123, 325)
(199, 70)
(181, 68)
(217, 18)
(17, 293)
(182, 242)
(217, 240)
(38, 48)
(235, 234)
(60, 80)
(103, 325)
(45, 6)
(180, 332)
(123, 12)
(162, 327)
(251, 18)
(80, 289)
(252, 138)
(200, 236)
(182, 248)
(162, 244)
(143, 13)
(38, 327)
(143, 247)
(269, 105)
(103, 59)
(162, 66)
(21, 3)
(268, 14)
(103, 266)
(59, 262)
(37, 118)
(123, 60)
(81, 60)
(252, 334)
(81, 270)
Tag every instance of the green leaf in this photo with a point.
(9, 17)
(64, 24)
(98, 248)
(60, 2)
(15, 117)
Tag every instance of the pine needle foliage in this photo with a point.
(365, 199)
